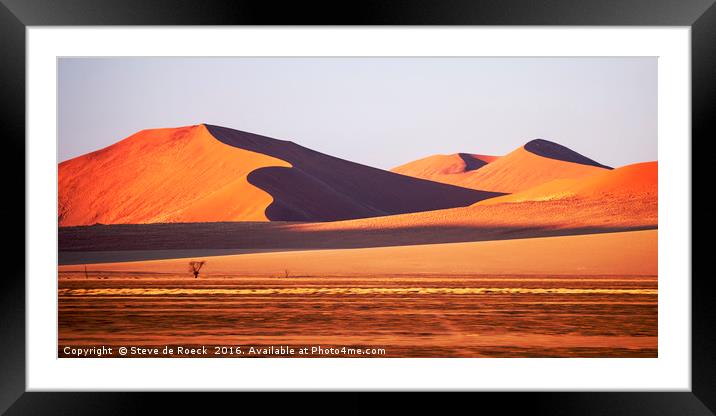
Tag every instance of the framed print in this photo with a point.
(443, 197)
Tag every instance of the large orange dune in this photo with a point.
(208, 173)
(535, 163)
(636, 182)
(163, 175)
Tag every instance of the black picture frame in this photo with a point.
(16, 15)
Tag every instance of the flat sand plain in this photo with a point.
(571, 296)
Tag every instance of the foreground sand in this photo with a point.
(425, 316)
(405, 316)
(624, 253)
(572, 296)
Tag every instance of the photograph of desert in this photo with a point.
(465, 225)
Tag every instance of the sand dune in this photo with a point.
(163, 175)
(628, 253)
(208, 173)
(537, 162)
(636, 182)
(450, 169)
(523, 169)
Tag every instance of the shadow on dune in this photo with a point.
(471, 163)
(299, 196)
(552, 150)
(129, 241)
(320, 187)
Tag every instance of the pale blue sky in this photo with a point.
(381, 112)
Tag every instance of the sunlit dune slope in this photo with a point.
(636, 182)
(208, 174)
(627, 253)
(163, 175)
(535, 163)
(450, 169)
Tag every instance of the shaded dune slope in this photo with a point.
(318, 187)
(474, 162)
(552, 150)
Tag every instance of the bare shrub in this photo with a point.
(195, 266)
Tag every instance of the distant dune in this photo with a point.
(637, 182)
(208, 173)
(450, 169)
(628, 253)
(535, 163)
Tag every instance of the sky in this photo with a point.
(381, 112)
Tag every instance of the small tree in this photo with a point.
(195, 266)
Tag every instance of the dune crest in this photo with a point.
(551, 150)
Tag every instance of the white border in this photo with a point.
(671, 371)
